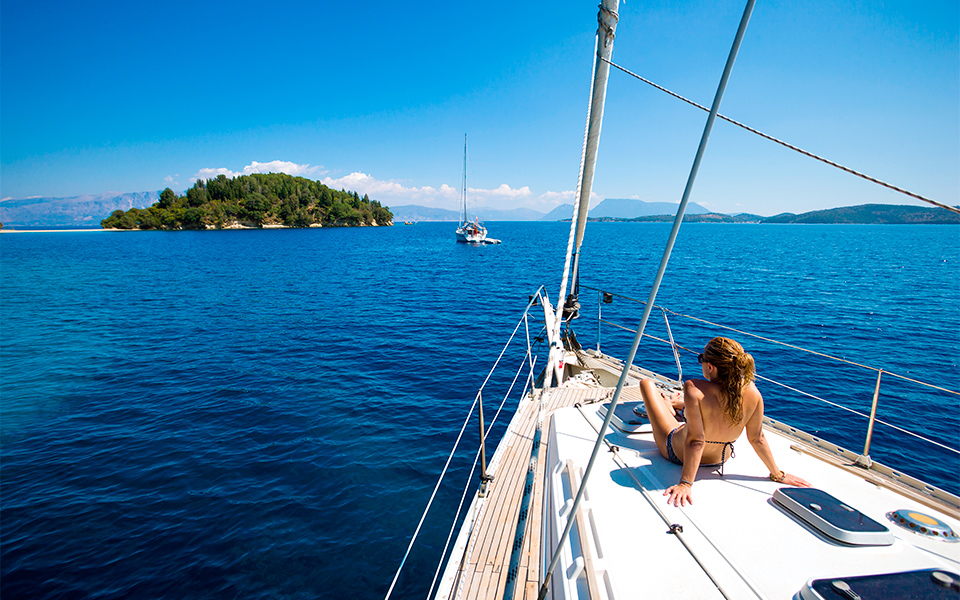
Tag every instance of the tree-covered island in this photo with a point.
(259, 200)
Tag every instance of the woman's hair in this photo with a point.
(735, 370)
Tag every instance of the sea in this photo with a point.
(266, 413)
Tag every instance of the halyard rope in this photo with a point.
(787, 145)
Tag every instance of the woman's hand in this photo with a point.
(789, 479)
(680, 494)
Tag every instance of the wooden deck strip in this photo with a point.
(485, 572)
(502, 496)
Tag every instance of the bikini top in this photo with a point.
(723, 454)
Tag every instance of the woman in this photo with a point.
(716, 411)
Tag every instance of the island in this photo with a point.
(864, 214)
(267, 200)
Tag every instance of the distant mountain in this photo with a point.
(412, 212)
(864, 214)
(610, 208)
(624, 208)
(90, 209)
(75, 211)
(694, 218)
(564, 212)
(879, 214)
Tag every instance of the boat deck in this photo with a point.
(484, 571)
(726, 545)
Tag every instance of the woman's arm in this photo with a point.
(762, 448)
(682, 493)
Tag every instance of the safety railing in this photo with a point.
(528, 363)
(864, 460)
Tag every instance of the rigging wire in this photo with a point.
(864, 415)
(788, 145)
(765, 339)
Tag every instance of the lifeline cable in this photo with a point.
(443, 472)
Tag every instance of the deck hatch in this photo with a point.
(833, 518)
(925, 584)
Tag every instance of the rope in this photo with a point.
(787, 145)
(843, 360)
(834, 404)
(554, 330)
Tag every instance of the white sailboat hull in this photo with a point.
(471, 235)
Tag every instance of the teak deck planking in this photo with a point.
(489, 549)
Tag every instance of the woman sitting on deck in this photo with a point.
(716, 411)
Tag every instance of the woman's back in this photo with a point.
(718, 426)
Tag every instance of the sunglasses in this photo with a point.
(700, 358)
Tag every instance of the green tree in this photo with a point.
(167, 198)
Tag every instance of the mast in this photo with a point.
(708, 127)
(607, 20)
(463, 184)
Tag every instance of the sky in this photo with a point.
(376, 97)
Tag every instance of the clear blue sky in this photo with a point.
(376, 97)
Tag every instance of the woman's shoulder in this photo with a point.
(751, 397)
(699, 389)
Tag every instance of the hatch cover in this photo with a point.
(832, 517)
(923, 584)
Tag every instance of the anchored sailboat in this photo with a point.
(469, 231)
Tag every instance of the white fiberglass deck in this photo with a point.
(736, 542)
(486, 548)
(735, 537)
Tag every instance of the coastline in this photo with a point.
(59, 230)
(228, 228)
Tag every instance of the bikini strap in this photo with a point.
(723, 453)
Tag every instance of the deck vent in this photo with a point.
(833, 518)
(923, 524)
(923, 583)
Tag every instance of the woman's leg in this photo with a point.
(660, 412)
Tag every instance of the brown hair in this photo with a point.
(735, 370)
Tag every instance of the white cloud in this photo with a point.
(502, 192)
(397, 193)
(392, 192)
(274, 166)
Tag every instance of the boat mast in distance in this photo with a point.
(469, 231)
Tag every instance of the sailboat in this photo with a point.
(571, 503)
(468, 231)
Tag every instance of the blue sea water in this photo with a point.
(263, 414)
